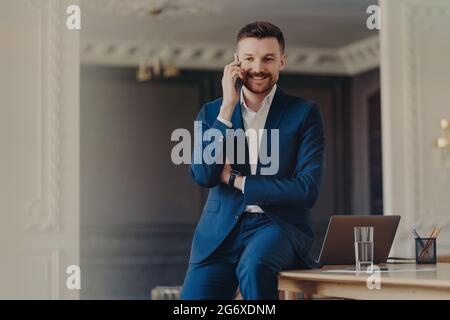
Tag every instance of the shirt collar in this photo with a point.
(266, 102)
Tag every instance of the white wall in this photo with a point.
(415, 75)
(39, 123)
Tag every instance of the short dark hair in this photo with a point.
(260, 30)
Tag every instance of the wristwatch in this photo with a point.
(233, 175)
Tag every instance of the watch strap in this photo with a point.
(233, 175)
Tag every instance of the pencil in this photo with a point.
(433, 235)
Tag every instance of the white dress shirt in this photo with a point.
(256, 121)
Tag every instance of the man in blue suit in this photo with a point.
(254, 225)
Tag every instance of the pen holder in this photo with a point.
(426, 251)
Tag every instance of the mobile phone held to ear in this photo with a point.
(238, 82)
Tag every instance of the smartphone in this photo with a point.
(238, 83)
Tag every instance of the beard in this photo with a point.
(259, 82)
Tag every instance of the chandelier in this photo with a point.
(156, 67)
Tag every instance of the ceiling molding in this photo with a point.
(361, 56)
(349, 60)
(149, 8)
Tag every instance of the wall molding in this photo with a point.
(48, 258)
(349, 60)
(408, 117)
(43, 213)
(418, 18)
(410, 109)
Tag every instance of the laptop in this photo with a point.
(339, 244)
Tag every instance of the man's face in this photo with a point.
(261, 62)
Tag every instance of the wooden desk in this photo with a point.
(394, 285)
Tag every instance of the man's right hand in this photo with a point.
(230, 93)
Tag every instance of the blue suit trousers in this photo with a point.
(249, 257)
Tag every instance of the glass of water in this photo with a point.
(364, 248)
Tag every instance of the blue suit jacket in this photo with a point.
(286, 197)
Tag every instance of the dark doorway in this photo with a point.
(375, 155)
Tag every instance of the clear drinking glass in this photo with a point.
(364, 248)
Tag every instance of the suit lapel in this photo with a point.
(236, 118)
(274, 117)
(238, 123)
(276, 110)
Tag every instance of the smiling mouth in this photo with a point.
(258, 78)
